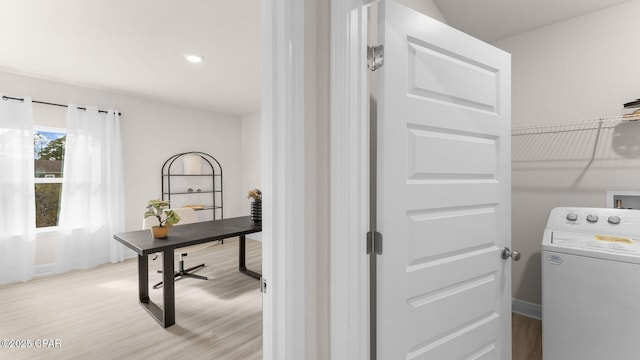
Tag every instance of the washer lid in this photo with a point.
(597, 243)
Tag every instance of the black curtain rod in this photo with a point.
(49, 103)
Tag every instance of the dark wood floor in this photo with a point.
(526, 340)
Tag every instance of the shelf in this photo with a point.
(210, 168)
(192, 193)
(209, 208)
(573, 126)
(191, 175)
(202, 207)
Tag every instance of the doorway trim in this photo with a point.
(283, 92)
(282, 96)
(349, 181)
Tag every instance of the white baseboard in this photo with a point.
(526, 308)
(41, 270)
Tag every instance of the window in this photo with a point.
(48, 146)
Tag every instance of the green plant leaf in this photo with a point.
(172, 218)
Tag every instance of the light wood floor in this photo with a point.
(95, 313)
(526, 338)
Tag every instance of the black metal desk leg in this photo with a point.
(242, 254)
(165, 316)
(143, 279)
(168, 288)
(242, 244)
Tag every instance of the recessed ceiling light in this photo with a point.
(194, 58)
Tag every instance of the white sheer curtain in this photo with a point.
(17, 194)
(92, 204)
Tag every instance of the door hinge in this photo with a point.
(374, 243)
(263, 285)
(375, 57)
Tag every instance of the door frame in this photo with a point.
(283, 148)
(282, 93)
(349, 181)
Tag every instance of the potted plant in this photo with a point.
(166, 218)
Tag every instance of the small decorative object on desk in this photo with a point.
(255, 196)
(166, 218)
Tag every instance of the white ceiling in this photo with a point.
(137, 47)
(490, 20)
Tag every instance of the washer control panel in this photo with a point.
(595, 220)
(613, 219)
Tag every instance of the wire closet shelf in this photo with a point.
(572, 126)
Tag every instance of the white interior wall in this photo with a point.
(151, 132)
(251, 153)
(579, 69)
(427, 7)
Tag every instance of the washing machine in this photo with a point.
(591, 284)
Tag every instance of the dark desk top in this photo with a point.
(143, 243)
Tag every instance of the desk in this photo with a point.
(144, 244)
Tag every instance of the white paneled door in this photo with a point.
(443, 192)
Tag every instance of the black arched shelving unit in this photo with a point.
(201, 189)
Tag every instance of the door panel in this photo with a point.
(426, 62)
(474, 342)
(434, 153)
(471, 227)
(443, 184)
(461, 268)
